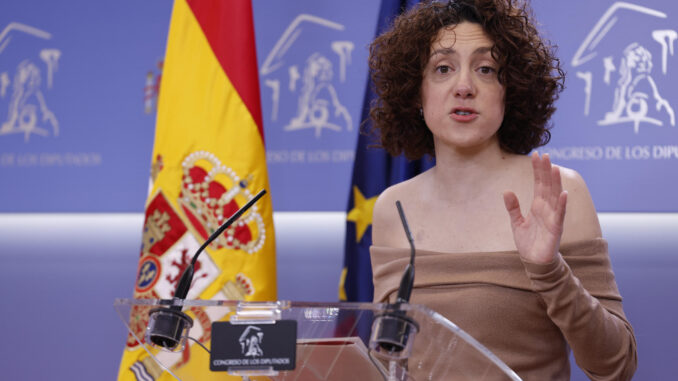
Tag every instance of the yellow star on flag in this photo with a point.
(361, 213)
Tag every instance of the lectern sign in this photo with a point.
(253, 346)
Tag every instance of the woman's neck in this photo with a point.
(463, 174)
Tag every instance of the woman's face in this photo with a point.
(461, 96)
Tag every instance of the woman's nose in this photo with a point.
(464, 87)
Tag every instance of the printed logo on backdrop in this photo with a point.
(311, 78)
(625, 71)
(29, 63)
(25, 81)
(628, 76)
(304, 76)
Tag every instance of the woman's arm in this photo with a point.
(596, 329)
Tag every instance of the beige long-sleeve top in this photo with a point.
(529, 315)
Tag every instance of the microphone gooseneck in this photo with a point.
(167, 326)
(407, 281)
(187, 277)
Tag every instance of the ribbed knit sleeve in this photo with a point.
(582, 299)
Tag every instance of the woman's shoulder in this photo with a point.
(386, 226)
(576, 187)
(404, 191)
(581, 217)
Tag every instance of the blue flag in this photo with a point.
(373, 171)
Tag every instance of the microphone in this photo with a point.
(167, 326)
(393, 332)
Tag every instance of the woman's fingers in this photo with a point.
(560, 209)
(546, 176)
(547, 180)
(556, 184)
(536, 170)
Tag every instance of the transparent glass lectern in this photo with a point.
(336, 341)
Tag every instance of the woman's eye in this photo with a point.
(486, 70)
(443, 69)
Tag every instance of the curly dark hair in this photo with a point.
(528, 69)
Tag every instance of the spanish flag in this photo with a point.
(208, 161)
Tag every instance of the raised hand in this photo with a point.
(537, 235)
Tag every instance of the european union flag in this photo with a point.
(373, 171)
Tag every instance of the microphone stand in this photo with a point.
(393, 332)
(167, 326)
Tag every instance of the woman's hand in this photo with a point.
(537, 235)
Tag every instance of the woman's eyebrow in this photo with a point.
(450, 51)
(444, 51)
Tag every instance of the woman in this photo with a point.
(472, 83)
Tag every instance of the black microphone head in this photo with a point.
(168, 328)
(393, 335)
